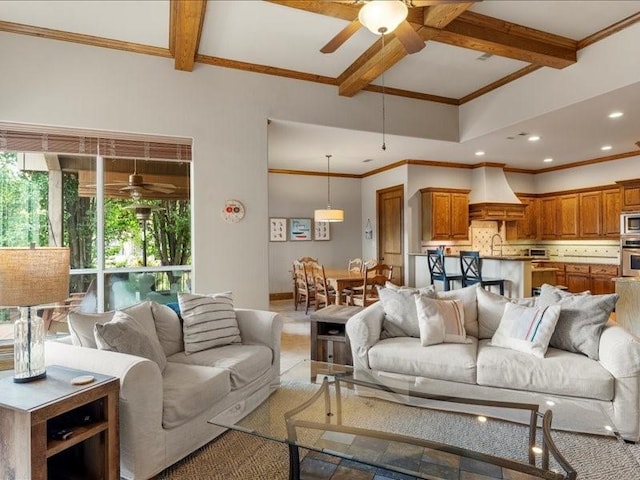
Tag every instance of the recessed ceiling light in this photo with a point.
(533, 138)
(479, 153)
(604, 148)
(548, 160)
(615, 114)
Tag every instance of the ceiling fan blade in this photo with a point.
(411, 41)
(431, 3)
(342, 36)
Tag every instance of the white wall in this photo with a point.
(605, 173)
(298, 196)
(225, 111)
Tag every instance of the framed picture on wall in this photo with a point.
(322, 231)
(277, 229)
(299, 229)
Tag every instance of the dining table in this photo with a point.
(341, 278)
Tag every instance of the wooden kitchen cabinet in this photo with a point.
(578, 277)
(568, 221)
(548, 220)
(527, 228)
(590, 215)
(445, 214)
(629, 195)
(611, 213)
(602, 279)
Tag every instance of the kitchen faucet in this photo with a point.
(492, 243)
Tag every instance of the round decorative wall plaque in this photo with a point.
(233, 211)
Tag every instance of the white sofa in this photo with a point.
(163, 415)
(581, 388)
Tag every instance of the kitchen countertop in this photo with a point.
(488, 257)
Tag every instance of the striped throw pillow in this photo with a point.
(208, 321)
(526, 329)
(440, 321)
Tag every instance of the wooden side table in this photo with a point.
(329, 339)
(29, 411)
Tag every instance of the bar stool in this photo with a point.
(435, 259)
(472, 271)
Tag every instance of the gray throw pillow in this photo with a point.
(400, 314)
(168, 328)
(582, 319)
(208, 321)
(491, 309)
(124, 334)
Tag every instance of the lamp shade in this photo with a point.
(33, 276)
(383, 16)
(328, 215)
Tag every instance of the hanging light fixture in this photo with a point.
(383, 16)
(329, 214)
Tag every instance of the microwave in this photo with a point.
(630, 223)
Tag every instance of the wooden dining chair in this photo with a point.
(435, 260)
(471, 268)
(304, 289)
(355, 265)
(373, 277)
(325, 295)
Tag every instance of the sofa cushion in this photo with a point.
(446, 361)
(582, 319)
(188, 390)
(526, 329)
(491, 307)
(208, 321)
(559, 373)
(124, 334)
(81, 324)
(440, 321)
(468, 297)
(168, 328)
(245, 363)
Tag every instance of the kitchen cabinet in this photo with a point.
(590, 214)
(568, 221)
(527, 228)
(578, 277)
(611, 213)
(548, 220)
(445, 214)
(629, 195)
(602, 279)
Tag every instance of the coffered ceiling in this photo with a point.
(285, 37)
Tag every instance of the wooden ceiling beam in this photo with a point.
(185, 27)
(491, 35)
(372, 63)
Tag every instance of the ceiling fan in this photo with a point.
(136, 186)
(384, 17)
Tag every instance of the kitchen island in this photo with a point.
(515, 270)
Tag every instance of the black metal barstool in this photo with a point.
(437, 271)
(472, 271)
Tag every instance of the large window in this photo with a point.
(126, 221)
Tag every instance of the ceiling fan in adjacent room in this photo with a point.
(136, 187)
(384, 17)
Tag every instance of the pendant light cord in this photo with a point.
(384, 143)
(328, 184)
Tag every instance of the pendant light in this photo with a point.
(328, 214)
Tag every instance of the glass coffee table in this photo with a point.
(327, 408)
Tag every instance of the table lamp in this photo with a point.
(31, 277)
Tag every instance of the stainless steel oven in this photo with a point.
(630, 256)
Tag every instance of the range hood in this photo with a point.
(491, 196)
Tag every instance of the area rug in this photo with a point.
(241, 456)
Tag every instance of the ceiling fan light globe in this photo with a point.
(136, 194)
(328, 215)
(383, 16)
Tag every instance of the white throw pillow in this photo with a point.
(440, 320)
(491, 308)
(469, 300)
(124, 334)
(526, 329)
(208, 321)
(400, 316)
